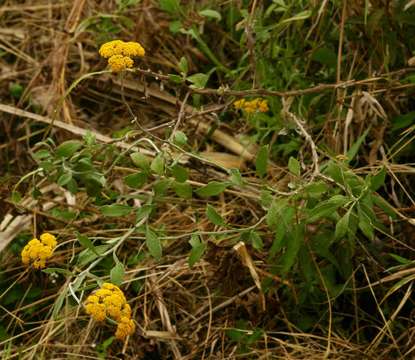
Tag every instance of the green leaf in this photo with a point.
(59, 303)
(15, 197)
(342, 225)
(176, 78)
(86, 256)
(365, 225)
(295, 240)
(115, 210)
(64, 214)
(157, 165)
(325, 56)
(180, 138)
(236, 177)
(179, 173)
(72, 186)
(327, 208)
(212, 189)
(214, 216)
(136, 181)
(64, 178)
(153, 244)
(299, 17)
(183, 190)
(213, 14)
(384, 205)
(378, 180)
(198, 249)
(278, 207)
(41, 154)
(403, 121)
(86, 242)
(117, 274)
(16, 90)
(294, 166)
(183, 65)
(68, 148)
(261, 162)
(175, 26)
(89, 138)
(315, 190)
(160, 187)
(143, 211)
(198, 80)
(355, 147)
(256, 240)
(170, 6)
(140, 160)
(400, 259)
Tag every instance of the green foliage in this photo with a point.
(310, 230)
(198, 249)
(153, 244)
(214, 216)
(262, 161)
(213, 188)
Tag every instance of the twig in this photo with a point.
(309, 139)
(180, 116)
(221, 91)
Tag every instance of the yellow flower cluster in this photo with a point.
(120, 53)
(110, 301)
(37, 252)
(252, 106)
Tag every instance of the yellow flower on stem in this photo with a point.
(36, 252)
(48, 239)
(252, 106)
(111, 48)
(119, 63)
(120, 54)
(109, 301)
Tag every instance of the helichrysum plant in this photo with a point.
(251, 106)
(109, 301)
(37, 252)
(120, 54)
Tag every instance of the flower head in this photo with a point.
(37, 252)
(133, 49)
(119, 63)
(48, 239)
(120, 54)
(110, 301)
(255, 105)
(111, 48)
(125, 327)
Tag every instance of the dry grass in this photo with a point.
(183, 312)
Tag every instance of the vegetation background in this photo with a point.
(285, 234)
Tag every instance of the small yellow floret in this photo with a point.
(133, 49)
(239, 104)
(48, 239)
(102, 293)
(111, 48)
(255, 105)
(126, 311)
(125, 327)
(119, 63)
(97, 311)
(36, 252)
